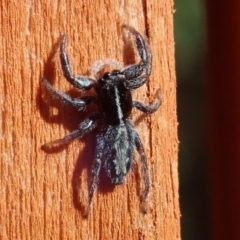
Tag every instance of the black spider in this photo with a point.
(116, 139)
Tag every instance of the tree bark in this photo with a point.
(41, 192)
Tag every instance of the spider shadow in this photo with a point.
(129, 57)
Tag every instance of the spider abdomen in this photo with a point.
(117, 156)
(115, 99)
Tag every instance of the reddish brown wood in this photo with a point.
(38, 195)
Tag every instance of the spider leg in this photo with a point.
(149, 108)
(96, 167)
(85, 127)
(134, 72)
(79, 103)
(137, 82)
(81, 82)
(145, 170)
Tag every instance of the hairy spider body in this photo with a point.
(117, 156)
(116, 139)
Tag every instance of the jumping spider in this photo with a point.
(116, 139)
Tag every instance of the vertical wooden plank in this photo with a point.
(224, 111)
(164, 152)
(38, 190)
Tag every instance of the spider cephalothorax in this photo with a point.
(116, 138)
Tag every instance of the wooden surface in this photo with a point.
(40, 192)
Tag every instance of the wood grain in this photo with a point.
(40, 192)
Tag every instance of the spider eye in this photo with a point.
(106, 74)
(114, 72)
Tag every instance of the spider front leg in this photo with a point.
(85, 127)
(81, 82)
(149, 108)
(79, 103)
(133, 73)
